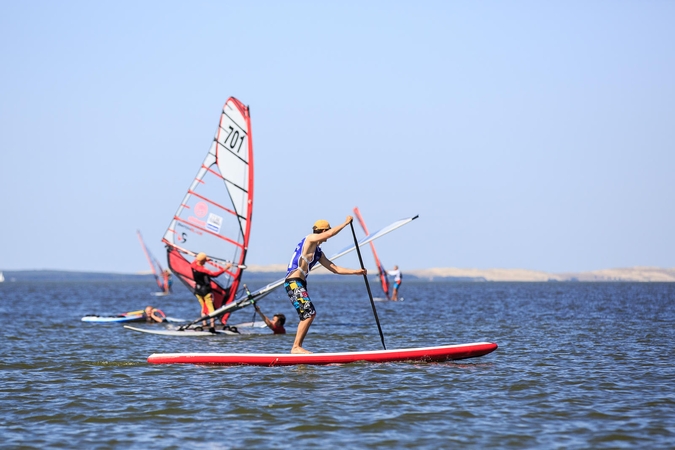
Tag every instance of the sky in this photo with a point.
(525, 134)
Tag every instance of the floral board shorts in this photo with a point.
(296, 288)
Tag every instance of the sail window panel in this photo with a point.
(238, 197)
(233, 169)
(237, 175)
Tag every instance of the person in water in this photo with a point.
(202, 277)
(397, 281)
(153, 315)
(306, 255)
(277, 322)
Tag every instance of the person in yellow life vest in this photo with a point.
(203, 289)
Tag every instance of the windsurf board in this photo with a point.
(190, 332)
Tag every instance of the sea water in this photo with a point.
(579, 365)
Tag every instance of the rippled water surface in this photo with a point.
(579, 365)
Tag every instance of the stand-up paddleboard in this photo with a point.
(427, 354)
(190, 332)
(125, 318)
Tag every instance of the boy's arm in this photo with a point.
(328, 264)
(268, 322)
(330, 233)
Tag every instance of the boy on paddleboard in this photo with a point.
(307, 253)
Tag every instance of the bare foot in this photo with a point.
(296, 350)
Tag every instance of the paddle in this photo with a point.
(365, 277)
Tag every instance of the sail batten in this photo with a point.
(213, 203)
(210, 232)
(231, 152)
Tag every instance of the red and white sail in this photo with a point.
(384, 280)
(215, 215)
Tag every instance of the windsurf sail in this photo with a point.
(161, 277)
(215, 214)
(384, 280)
(251, 297)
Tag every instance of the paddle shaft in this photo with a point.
(365, 278)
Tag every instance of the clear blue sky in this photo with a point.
(536, 135)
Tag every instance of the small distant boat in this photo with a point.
(2, 277)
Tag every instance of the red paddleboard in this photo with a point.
(427, 354)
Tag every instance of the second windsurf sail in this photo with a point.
(161, 276)
(384, 280)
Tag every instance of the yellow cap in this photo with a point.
(321, 225)
(201, 257)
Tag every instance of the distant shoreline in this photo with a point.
(638, 273)
(273, 272)
(641, 274)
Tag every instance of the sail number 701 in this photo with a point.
(234, 138)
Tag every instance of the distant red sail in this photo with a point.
(384, 280)
(156, 267)
(215, 214)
